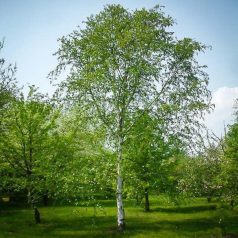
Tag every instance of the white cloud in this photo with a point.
(223, 98)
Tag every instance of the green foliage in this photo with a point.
(81, 166)
(8, 93)
(200, 177)
(150, 158)
(232, 142)
(26, 141)
(8, 87)
(124, 61)
(231, 165)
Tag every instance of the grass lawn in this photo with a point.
(197, 219)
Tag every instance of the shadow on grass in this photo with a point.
(189, 226)
(190, 209)
(104, 226)
(85, 226)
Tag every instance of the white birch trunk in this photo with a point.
(120, 207)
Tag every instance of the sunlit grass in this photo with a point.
(197, 219)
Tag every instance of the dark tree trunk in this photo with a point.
(147, 202)
(37, 215)
(31, 203)
(209, 199)
(45, 199)
(232, 202)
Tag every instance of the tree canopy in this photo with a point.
(26, 141)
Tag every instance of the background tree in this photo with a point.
(25, 143)
(125, 61)
(8, 87)
(231, 163)
(202, 175)
(148, 156)
(8, 93)
(8, 84)
(81, 165)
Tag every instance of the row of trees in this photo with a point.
(122, 122)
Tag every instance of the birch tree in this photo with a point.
(123, 61)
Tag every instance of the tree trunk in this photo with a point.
(37, 215)
(31, 204)
(120, 208)
(209, 199)
(147, 203)
(45, 198)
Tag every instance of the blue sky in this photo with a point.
(31, 29)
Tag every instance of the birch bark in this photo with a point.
(120, 207)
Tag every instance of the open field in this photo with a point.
(196, 219)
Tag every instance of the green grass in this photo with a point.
(196, 219)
